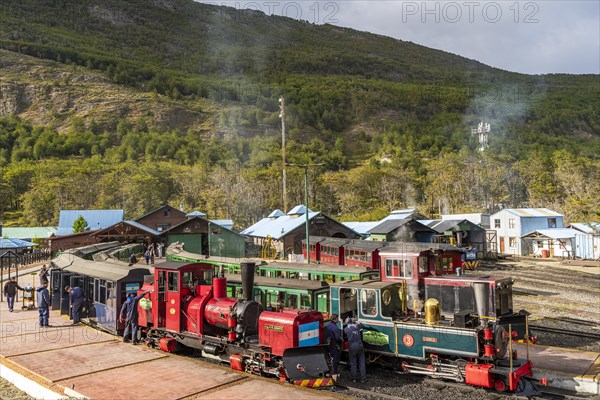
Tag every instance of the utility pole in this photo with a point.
(306, 166)
(282, 116)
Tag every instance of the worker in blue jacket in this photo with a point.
(335, 342)
(43, 300)
(76, 301)
(356, 351)
(129, 314)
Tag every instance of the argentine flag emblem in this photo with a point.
(308, 334)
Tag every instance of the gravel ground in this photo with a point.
(409, 387)
(550, 289)
(8, 391)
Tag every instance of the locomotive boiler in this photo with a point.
(189, 307)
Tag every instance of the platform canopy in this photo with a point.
(15, 244)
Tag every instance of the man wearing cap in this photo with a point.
(130, 311)
(43, 300)
(335, 341)
(76, 301)
(10, 291)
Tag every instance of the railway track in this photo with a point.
(545, 393)
(562, 331)
(575, 321)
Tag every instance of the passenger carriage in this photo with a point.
(105, 286)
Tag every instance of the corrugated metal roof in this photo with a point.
(29, 232)
(586, 227)
(142, 227)
(554, 233)
(279, 227)
(196, 214)
(430, 222)
(15, 244)
(405, 211)
(225, 223)
(390, 225)
(361, 227)
(276, 213)
(96, 219)
(533, 212)
(442, 226)
(299, 209)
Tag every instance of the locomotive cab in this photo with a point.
(177, 284)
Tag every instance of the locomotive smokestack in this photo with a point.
(481, 291)
(247, 271)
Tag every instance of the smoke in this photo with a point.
(502, 104)
(403, 234)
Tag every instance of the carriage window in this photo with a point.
(368, 300)
(111, 293)
(187, 279)
(102, 295)
(161, 285)
(447, 264)
(305, 301)
(422, 265)
(369, 257)
(293, 300)
(322, 302)
(399, 268)
(173, 282)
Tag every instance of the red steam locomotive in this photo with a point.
(189, 307)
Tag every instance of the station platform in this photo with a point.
(78, 361)
(569, 369)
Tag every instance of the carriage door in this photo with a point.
(173, 306)
(65, 280)
(56, 288)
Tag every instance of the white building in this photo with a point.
(513, 223)
(587, 244)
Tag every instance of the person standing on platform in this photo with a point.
(43, 301)
(356, 351)
(76, 301)
(129, 314)
(335, 342)
(10, 291)
(132, 259)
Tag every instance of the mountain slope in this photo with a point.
(50, 93)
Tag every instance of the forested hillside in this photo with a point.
(112, 104)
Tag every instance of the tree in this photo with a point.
(80, 225)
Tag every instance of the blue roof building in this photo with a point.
(96, 219)
(285, 231)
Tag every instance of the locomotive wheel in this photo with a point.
(500, 385)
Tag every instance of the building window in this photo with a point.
(551, 222)
(162, 227)
(512, 242)
(167, 213)
(511, 223)
(497, 223)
